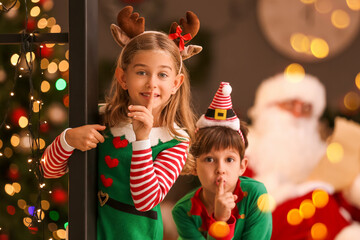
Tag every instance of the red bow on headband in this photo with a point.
(183, 38)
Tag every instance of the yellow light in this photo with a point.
(318, 231)
(36, 106)
(300, 42)
(307, 1)
(357, 80)
(27, 221)
(67, 54)
(50, 45)
(53, 67)
(35, 11)
(17, 187)
(48, 5)
(45, 86)
(15, 140)
(319, 48)
(45, 205)
(334, 152)
(323, 6)
(320, 198)
(51, 22)
(63, 66)
(1, 144)
(340, 19)
(294, 217)
(9, 189)
(353, 4)
(266, 203)
(35, 1)
(55, 29)
(21, 203)
(42, 23)
(23, 122)
(219, 229)
(307, 209)
(294, 72)
(30, 56)
(42, 143)
(8, 152)
(40, 214)
(352, 101)
(14, 59)
(44, 63)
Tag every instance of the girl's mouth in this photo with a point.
(145, 94)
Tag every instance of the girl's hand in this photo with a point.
(143, 119)
(224, 203)
(85, 137)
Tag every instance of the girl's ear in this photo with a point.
(120, 77)
(179, 79)
(243, 166)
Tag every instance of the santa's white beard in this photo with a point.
(282, 148)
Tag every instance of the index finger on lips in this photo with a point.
(220, 187)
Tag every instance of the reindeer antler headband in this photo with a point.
(130, 25)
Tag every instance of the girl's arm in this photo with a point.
(151, 181)
(55, 158)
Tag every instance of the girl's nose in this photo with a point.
(151, 83)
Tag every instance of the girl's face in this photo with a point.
(150, 72)
(220, 164)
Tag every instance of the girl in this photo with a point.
(149, 117)
(219, 160)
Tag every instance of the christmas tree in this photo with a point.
(34, 100)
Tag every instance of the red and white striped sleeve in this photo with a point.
(150, 180)
(55, 158)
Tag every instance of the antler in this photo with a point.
(130, 22)
(190, 25)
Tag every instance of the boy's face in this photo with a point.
(220, 164)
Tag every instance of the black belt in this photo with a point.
(105, 199)
(221, 114)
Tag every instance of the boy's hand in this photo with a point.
(85, 137)
(224, 202)
(143, 119)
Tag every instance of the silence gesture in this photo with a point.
(224, 202)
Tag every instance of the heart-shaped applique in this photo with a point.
(103, 197)
(118, 143)
(111, 162)
(107, 182)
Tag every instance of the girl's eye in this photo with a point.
(141, 73)
(163, 75)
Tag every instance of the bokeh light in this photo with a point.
(52, 227)
(53, 67)
(323, 6)
(300, 42)
(15, 140)
(45, 86)
(357, 80)
(44, 63)
(9, 189)
(45, 205)
(35, 11)
(266, 203)
(318, 231)
(351, 101)
(42, 23)
(27, 221)
(54, 215)
(340, 19)
(294, 72)
(307, 209)
(14, 59)
(319, 48)
(60, 84)
(334, 152)
(10, 209)
(8, 152)
(307, 1)
(320, 198)
(353, 4)
(17, 187)
(66, 100)
(51, 22)
(23, 122)
(21, 203)
(294, 217)
(30, 56)
(219, 229)
(63, 66)
(55, 29)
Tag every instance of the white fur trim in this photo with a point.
(351, 232)
(233, 124)
(278, 88)
(352, 194)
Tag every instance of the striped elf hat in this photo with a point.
(220, 112)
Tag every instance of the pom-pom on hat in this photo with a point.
(220, 112)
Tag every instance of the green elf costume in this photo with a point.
(250, 218)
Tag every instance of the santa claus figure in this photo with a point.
(285, 146)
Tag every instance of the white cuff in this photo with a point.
(141, 145)
(63, 142)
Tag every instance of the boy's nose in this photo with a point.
(220, 169)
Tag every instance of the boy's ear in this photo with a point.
(179, 79)
(120, 77)
(243, 166)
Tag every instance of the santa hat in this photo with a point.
(220, 112)
(281, 88)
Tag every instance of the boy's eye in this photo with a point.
(230, 159)
(209, 159)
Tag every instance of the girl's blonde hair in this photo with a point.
(178, 109)
(215, 138)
